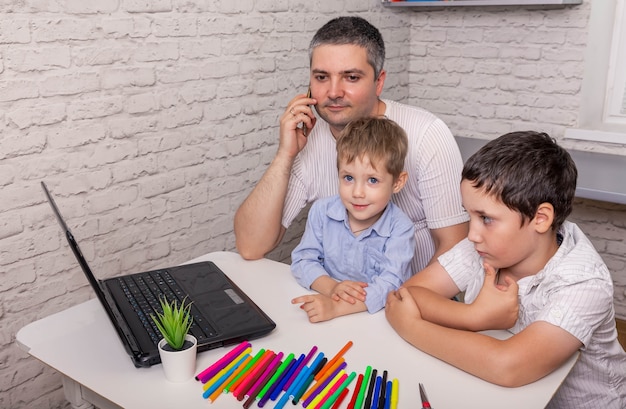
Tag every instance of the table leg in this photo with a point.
(74, 395)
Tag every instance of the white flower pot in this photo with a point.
(179, 366)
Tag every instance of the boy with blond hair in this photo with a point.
(358, 245)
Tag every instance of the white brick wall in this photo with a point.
(151, 120)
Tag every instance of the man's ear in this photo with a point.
(544, 216)
(400, 181)
(380, 82)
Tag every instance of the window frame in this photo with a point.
(600, 119)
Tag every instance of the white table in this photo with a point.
(81, 344)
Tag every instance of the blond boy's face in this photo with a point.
(497, 231)
(365, 191)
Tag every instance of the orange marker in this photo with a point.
(333, 360)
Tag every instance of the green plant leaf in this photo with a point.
(174, 322)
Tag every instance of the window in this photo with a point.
(603, 105)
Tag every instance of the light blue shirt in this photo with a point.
(380, 256)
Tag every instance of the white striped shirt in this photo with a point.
(574, 291)
(431, 197)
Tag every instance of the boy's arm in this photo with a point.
(496, 306)
(523, 358)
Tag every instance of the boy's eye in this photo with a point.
(372, 181)
(348, 178)
(486, 219)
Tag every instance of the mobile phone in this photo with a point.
(304, 128)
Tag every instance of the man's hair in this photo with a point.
(356, 31)
(523, 170)
(382, 140)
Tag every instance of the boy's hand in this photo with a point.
(402, 311)
(497, 304)
(318, 307)
(349, 291)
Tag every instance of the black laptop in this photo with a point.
(222, 313)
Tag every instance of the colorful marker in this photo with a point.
(394, 394)
(376, 396)
(370, 390)
(363, 389)
(305, 361)
(331, 391)
(355, 394)
(343, 395)
(383, 391)
(324, 384)
(339, 390)
(323, 381)
(226, 369)
(316, 400)
(241, 375)
(330, 363)
(220, 381)
(268, 394)
(240, 368)
(281, 369)
(253, 375)
(302, 387)
(388, 391)
(222, 362)
(284, 380)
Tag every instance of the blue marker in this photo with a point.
(283, 381)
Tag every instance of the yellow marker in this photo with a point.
(226, 369)
(394, 394)
(324, 391)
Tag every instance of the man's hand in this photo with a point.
(292, 137)
(349, 291)
(497, 305)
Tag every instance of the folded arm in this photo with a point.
(521, 359)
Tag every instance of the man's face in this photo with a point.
(343, 83)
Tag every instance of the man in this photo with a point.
(347, 78)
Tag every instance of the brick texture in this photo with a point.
(151, 121)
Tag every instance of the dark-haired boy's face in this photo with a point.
(497, 232)
(343, 83)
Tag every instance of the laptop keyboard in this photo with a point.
(144, 292)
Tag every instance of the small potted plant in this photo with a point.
(178, 348)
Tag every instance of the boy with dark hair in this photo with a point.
(358, 245)
(523, 267)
